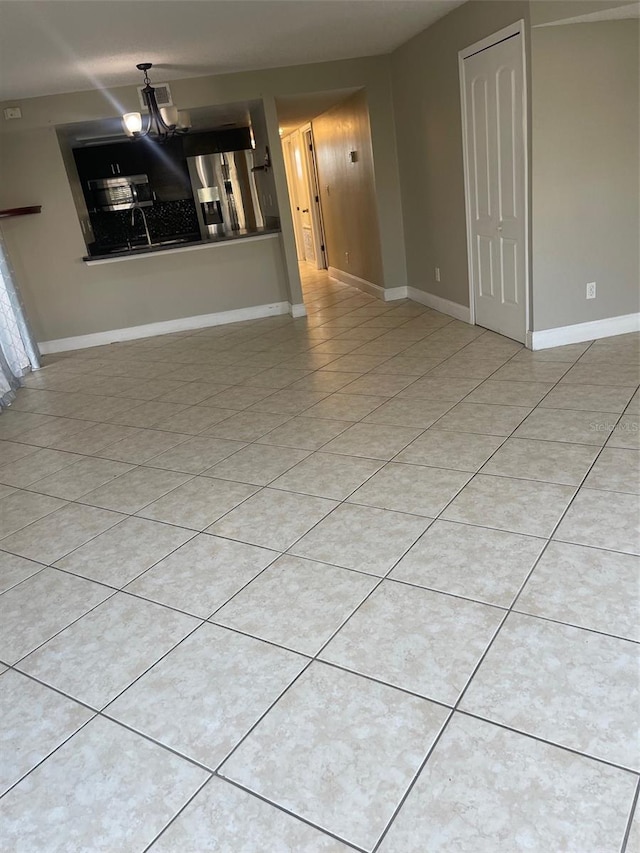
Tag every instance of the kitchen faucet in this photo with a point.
(144, 222)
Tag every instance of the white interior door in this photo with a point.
(493, 118)
(314, 197)
(303, 199)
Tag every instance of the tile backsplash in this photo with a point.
(165, 219)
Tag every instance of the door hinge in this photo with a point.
(322, 247)
(310, 147)
(318, 199)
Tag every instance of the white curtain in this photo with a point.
(18, 349)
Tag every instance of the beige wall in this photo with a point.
(65, 298)
(347, 190)
(426, 93)
(585, 171)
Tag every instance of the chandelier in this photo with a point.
(162, 122)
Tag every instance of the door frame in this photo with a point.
(317, 229)
(501, 35)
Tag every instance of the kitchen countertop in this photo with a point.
(177, 245)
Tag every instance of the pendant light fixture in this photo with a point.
(162, 122)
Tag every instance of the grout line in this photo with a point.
(627, 834)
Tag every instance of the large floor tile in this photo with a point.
(367, 539)
(92, 439)
(486, 789)
(198, 503)
(548, 461)
(195, 419)
(14, 570)
(509, 393)
(626, 433)
(246, 426)
(411, 488)
(338, 750)
(124, 551)
(617, 373)
(76, 480)
(203, 697)
(483, 419)
(305, 433)
(379, 384)
(589, 398)
(345, 407)
(257, 464)
(502, 503)
(475, 562)
(409, 412)
(195, 455)
(224, 817)
(296, 603)
(148, 414)
(415, 639)
(603, 520)
(202, 575)
(442, 449)
(22, 472)
(141, 445)
(532, 371)
(288, 402)
(136, 489)
(40, 606)
(580, 427)
(566, 685)
(98, 656)
(57, 534)
(34, 720)
(328, 475)
(616, 470)
(586, 587)
(375, 441)
(452, 390)
(105, 789)
(273, 519)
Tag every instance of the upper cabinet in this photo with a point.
(109, 161)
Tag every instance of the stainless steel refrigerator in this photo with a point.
(225, 192)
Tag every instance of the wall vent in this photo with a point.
(163, 95)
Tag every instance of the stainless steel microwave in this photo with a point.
(121, 193)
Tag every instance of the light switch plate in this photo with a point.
(12, 112)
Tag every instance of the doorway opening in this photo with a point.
(326, 144)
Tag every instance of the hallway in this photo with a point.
(364, 580)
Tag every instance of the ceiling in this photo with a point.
(74, 46)
(296, 110)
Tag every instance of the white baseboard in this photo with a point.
(390, 294)
(298, 310)
(386, 294)
(165, 327)
(361, 283)
(580, 332)
(444, 306)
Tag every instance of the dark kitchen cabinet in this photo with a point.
(109, 161)
(217, 141)
(167, 169)
(164, 163)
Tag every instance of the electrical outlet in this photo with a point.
(437, 273)
(591, 290)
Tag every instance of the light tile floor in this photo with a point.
(362, 581)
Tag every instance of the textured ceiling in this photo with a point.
(53, 46)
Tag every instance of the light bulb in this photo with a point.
(169, 115)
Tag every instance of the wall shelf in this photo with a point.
(20, 211)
